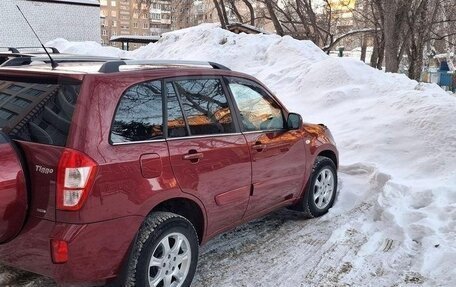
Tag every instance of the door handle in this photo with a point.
(193, 156)
(258, 146)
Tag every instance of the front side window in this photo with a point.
(258, 110)
(205, 106)
(139, 114)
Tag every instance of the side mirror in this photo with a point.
(294, 121)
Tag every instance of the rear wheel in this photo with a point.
(167, 252)
(321, 189)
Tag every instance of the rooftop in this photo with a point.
(135, 39)
(75, 2)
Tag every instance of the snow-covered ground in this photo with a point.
(394, 222)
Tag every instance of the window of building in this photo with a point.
(139, 116)
(135, 25)
(103, 2)
(146, 25)
(113, 3)
(114, 13)
(104, 32)
(114, 23)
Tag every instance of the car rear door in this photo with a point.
(209, 155)
(35, 117)
(278, 154)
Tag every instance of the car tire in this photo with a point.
(165, 251)
(321, 189)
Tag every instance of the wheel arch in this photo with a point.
(331, 155)
(187, 208)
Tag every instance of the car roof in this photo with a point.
(100, 65)
(78, 67)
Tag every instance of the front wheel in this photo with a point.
(167, 249)
(321, 188)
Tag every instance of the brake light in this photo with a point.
(75, 176)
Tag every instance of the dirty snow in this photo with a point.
(394, 222)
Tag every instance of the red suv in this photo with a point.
(113, 172)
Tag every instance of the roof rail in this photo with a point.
(21, 61)
(114, 66)
(16, 49)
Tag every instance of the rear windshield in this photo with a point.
(37, 111)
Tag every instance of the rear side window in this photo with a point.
(139, 114)
(205, 106)
(37, 111)
(176, 120)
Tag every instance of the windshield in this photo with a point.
(37, 111)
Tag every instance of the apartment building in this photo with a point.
(130, 17)
(185, 13)
(160, 17)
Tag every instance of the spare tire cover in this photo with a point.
(13, 192)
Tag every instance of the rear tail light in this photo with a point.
(59, 251)
(75, 176)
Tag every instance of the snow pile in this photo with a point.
(397, 141)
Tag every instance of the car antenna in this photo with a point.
(53, 63)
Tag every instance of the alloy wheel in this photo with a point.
(323, 188)
(170, 262)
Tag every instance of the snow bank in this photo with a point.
(395, 133)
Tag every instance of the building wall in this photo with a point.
(160, 17)
(129, 17)
(50, 20)
(184, 14)
(123, 17)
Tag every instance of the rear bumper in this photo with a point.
(96, 250)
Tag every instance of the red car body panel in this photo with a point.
(13, 192)
(224, 157)
(276, 174)
(96, 250)
(42, 203)
(232, 182)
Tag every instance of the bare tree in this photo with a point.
(235, 10)
(394, 28)
(251, 10)
(270, 5)
(221, 15)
